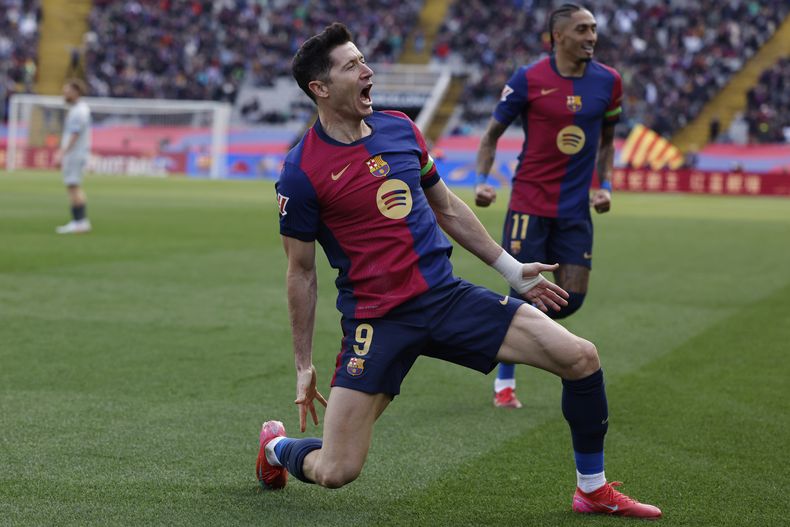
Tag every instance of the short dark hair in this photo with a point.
(564, 11)
(78, 84)
(312, 61)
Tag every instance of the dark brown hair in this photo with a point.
(312, 61)
(564, 11)
(78, 84)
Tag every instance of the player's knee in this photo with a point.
(575, 301)
(585, 360)
(337, 475)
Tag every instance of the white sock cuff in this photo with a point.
(501, 384)
(271, 457)
(590, 482)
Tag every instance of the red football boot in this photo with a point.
(269, 476)
(506, 398)
(607, 500)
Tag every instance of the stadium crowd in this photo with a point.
(673, 56)
(19, 31)
(768, 105)
(204, 49)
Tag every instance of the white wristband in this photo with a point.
(513, 271)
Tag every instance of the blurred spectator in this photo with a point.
(673, 55)
(19, 23)
(714, 129)
(75, 64)
(738, 132)
(203, 49)
(768, 105)
(691, 158)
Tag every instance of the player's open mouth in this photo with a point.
(587, 49)
(364, 95)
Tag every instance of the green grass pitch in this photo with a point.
(137, 363)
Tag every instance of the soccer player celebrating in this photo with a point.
(73, 153)
(569, 105)
(363, 185)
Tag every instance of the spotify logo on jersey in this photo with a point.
(394, 199)
(570, 140)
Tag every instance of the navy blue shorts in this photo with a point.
(459, 322)
(548, 240)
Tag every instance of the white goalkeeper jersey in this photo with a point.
(78, 121)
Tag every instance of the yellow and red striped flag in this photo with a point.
(645, 147)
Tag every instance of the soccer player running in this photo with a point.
(73, 154)
(362, 184)
(569, 105)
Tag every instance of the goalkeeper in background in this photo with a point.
(72, 155)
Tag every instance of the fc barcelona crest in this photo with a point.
(515, 246)
(377, 166)
(574, 103)
(356, 366)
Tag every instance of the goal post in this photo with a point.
(132, 136)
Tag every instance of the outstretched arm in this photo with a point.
(486, 152)
(458, 220)
(302, 285)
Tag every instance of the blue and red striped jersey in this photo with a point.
(364, 204)
(562, 119)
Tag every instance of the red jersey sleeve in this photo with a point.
(615, 109)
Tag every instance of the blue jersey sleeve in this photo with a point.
(429, 175)
(513, 98)
(298, 204)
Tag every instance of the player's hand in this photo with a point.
(601, 200)
(545, 294)
(57, 157)
(485, 195)
(305, 393)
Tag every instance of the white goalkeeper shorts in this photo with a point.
(72, 171)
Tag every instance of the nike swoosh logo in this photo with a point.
(612, 508)
(587, 256)
(504, 300)
(335, 177)
(545, 91)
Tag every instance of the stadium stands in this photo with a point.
(199, 49)
(673, 57)
(768, 105)
(19, 26)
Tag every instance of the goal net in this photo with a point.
(129, 136)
